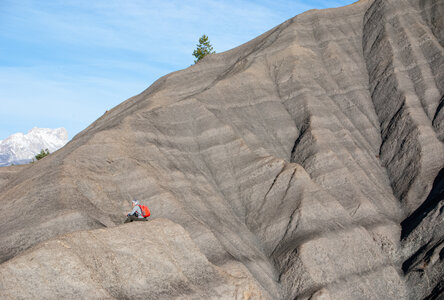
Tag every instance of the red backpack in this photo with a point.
(145, 211)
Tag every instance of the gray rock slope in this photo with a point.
(307, 163)
(168, 266)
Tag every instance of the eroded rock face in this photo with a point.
(311, 157)
(149, 260)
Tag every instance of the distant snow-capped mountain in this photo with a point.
(21, 148)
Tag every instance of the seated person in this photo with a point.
(136, 214)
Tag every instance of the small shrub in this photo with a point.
(42, 154)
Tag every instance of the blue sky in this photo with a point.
(64, 63)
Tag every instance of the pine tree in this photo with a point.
(203, 48)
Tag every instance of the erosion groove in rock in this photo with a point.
(304, 164)
(405, 65)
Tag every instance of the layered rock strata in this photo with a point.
(308, 160)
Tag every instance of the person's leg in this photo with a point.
(131, 218)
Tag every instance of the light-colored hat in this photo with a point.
(135, 201)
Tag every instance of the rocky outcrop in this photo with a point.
(155, 260)
(309, 159)
(405, 64)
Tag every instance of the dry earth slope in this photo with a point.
(307, 163)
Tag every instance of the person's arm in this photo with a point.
(133, 212)
(139, 212)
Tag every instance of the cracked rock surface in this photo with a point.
(304, 164)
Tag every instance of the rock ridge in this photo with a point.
(307, 161)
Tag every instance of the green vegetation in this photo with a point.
(203, 48)
(42, 154)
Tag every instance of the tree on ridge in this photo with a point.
(203, 48)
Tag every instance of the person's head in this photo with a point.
(135, 202)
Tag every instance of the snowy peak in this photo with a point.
(21, 148)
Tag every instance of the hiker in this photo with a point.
(139, 212)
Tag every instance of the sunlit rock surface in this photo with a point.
(308, 161)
